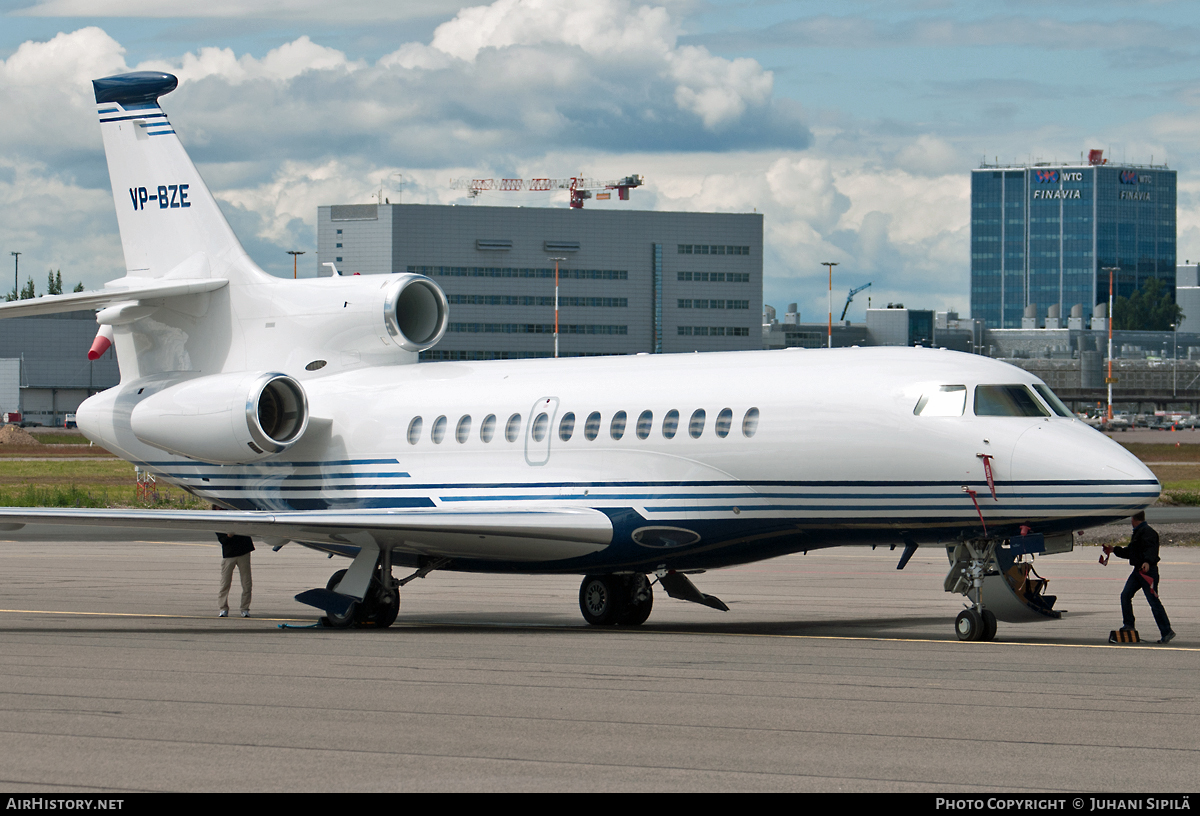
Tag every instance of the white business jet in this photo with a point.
(298, 406)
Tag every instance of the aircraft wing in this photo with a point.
(525, 534)
(120, 291)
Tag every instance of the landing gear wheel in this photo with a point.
(339, 621)
(989, 625)
(389, 608)
(968, 625)
(639, 600)
(601, 599)
(380, 608)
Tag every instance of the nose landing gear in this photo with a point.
(1000, 587)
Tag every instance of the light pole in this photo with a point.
(556, 260)
(831, 265)
(1174, 357)
(1109, 379)
(294, 254)
(16, 276)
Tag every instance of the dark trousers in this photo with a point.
(1135, 583)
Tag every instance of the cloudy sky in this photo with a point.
(852, 125)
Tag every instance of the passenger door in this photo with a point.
(540, 430)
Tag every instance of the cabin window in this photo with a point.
(488, 429)
(1056, 405)
(948, 400)
(566, 427)
(724, 422)
(591, 428)
(696, 426)
(438, 433)
(616, 428)
(513, 429)
(644, 424)
(670, 424)
(1007, 400)
(463, 431)
(750, 423)
(539, 427)
(414, 431)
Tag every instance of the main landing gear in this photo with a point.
(608, 600)
(625, 599)
(365, 595)
(378, 608)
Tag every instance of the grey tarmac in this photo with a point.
(832, 671)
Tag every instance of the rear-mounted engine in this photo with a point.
(224, 418)
(415, 312)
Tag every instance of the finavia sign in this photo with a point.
(1037, 194)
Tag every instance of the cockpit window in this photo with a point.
(948, 400)
(1007, 400)
(1056, 405)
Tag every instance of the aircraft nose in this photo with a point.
(1085, 470)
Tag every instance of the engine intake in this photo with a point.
(415, 312)
(224, 418)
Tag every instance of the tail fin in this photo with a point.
(165, 211)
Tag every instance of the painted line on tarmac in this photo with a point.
(639, 631)
(851, 638)
(142, 615)
(1142, 645)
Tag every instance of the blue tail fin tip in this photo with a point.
(140, 86)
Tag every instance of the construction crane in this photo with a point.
(581, 188)
(850, 298)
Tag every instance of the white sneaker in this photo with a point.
(245, 613)
(224, 613)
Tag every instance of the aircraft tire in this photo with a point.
(968, 625)
(989, 625)
(601, 599)
(384, 610)
(339, 621)
(636, 612)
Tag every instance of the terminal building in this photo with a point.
(629, 281)
(1043, 234)
(44, 370)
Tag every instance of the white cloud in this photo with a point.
(520, 87)
(46, 89)
(716, 89)
(288, 61)
(238, 9)
(55, 224)
(598, 27)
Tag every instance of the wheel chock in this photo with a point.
(1123, 636)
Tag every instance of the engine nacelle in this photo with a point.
(415, 312)
(224, 418)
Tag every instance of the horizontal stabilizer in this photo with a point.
(512, 535)
(120, 291)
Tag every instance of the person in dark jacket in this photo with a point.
(1142, 554)
(235, 552)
